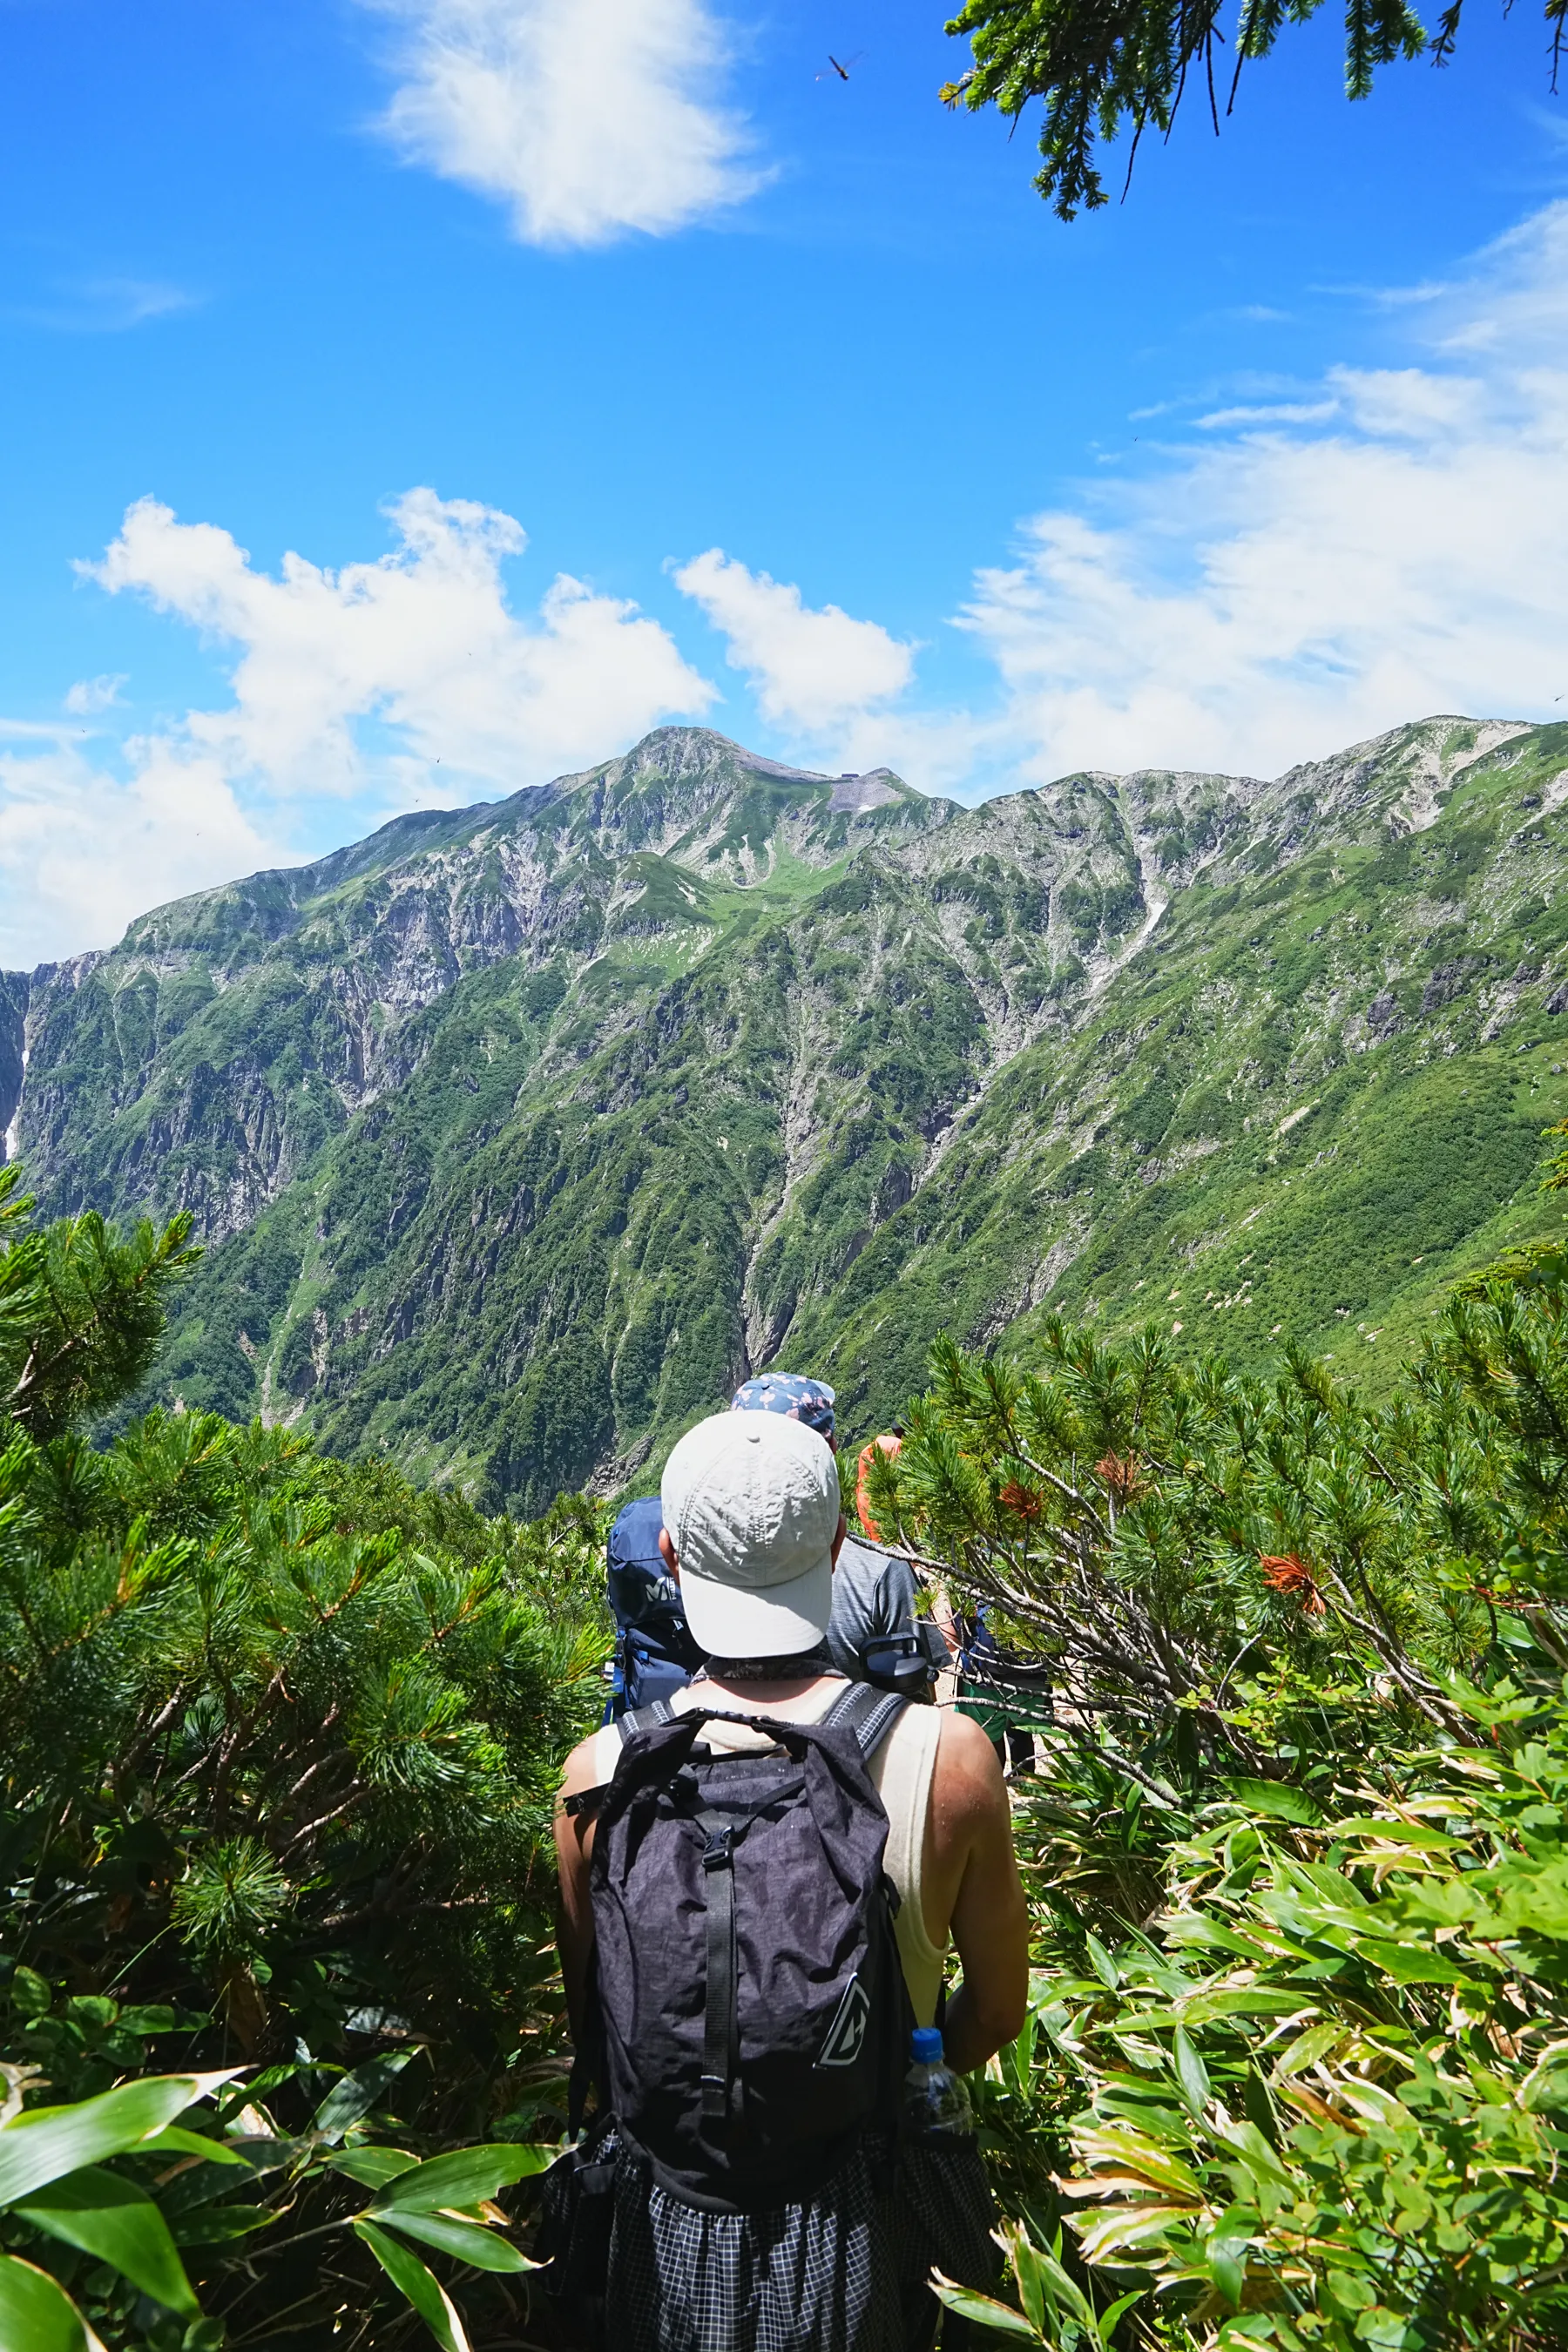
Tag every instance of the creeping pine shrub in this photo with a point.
(279, 1741)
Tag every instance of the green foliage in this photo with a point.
(54, 2183)
(1051, 2309)
(100, 2195)
(278, 1738)
(308, 1758)
(1215, 1555)
(1328, 2094)
(1101, 70)
(1296, 2067)
(231, 1894)
(278, 1731)
(81, 1312)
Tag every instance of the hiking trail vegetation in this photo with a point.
(279, 2016)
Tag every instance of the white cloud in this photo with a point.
(810, 668)
(1408, 402)
(589, 117)
(1288, 412)
(1397, 545)
(94, 694)
(83, 853)
(406, 679)
(421, 640)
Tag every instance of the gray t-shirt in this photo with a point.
(873, 1596)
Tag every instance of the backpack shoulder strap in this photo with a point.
(645, 1718)
(869, 1713)
(641, 1719)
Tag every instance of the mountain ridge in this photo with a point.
(519, 1130)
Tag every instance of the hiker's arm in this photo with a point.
(896, 1595)
(573, 1844)
(990, 1918)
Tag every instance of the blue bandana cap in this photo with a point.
(787, 1393)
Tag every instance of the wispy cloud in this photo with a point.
(1317, 561)
(36, 730)
(1394, 543)
(104, 306)
(1285, 411)
(587, 118)
(89, 694)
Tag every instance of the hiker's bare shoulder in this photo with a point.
(582, 1770)
(967, 1781)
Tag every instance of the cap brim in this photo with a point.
(772, 1623)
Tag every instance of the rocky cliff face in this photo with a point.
(202, 1063)
(520, 1132)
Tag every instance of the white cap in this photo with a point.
(751, 1505)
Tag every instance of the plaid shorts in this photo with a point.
(846, 2271)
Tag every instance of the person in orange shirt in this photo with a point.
(891, 1442)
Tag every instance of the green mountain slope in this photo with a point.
(522, 1132)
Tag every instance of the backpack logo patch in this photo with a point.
(846, 2034)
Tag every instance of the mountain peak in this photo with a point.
(695, 796)
(679, 749)
(519, 1132)
(675, 754)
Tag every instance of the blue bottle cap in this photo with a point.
(925, 2045)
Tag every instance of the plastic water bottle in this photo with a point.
(934, 2097)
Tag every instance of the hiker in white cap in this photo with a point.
(743, 1988)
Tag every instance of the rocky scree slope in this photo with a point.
(522, 1132)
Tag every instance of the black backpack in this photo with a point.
(753, 2024)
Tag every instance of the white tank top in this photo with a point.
(900, 1773)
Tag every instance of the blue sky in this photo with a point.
(402, 403)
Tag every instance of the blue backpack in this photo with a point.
(655, 1654)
